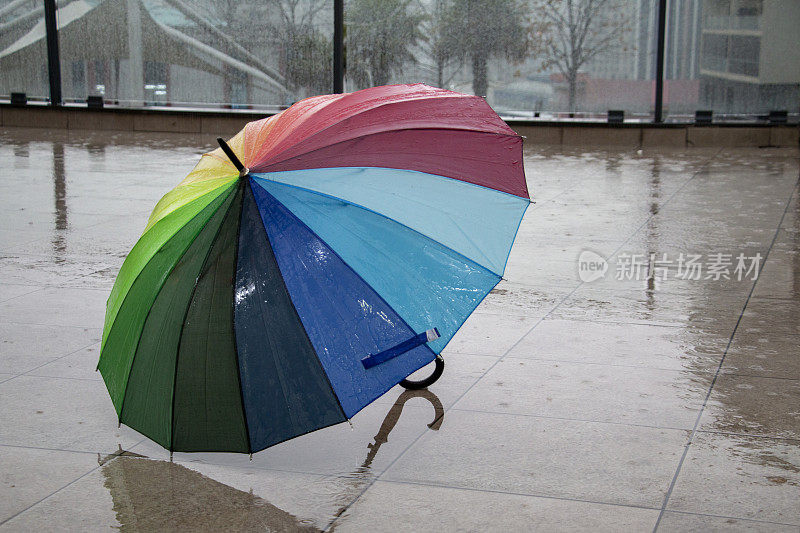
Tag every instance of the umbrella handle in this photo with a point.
(430, 380)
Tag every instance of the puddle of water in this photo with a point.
(153, 495)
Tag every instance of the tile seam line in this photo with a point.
(734, 518)
(629, 424)
(46, 449)
(721, 363)
(633, 322)
(538, 321)
(750, 435)
(522, 494)
(640, 367)
(579, 500)
(26, 373)
(612, 365)
(94, 469)
(37, 289)
(68, 378)
(568, 419)
(74, 326)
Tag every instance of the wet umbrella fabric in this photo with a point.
(262, 306)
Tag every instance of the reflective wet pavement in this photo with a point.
(642, 399)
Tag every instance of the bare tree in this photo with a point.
(380, 35)
(434, 28)
(303, 50)
(482, 29)
(576, 31)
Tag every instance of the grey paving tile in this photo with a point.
(10, 290)
(56, 269)
(754, 405)
(11, 239)
(764, 354)
(62, 414)
(741, 477)
(25, 348)
(523, 300)
(617, 219)
(540, 246)
(489, 334)
(29, 475)
(640, 345)
(673, 522)
(773, 316)
(711, 312)
(83, 308)
(524, 267)
(544, 457)
(780, 274)
(48, 218)
(428, 508)
(79, 365)
(104, 242)
(615, 394)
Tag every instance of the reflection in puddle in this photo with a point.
(394, 415)
(360, 479)
(60, 196)
(151, 495)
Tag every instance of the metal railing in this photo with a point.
(153, 93)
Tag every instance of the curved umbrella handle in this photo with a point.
(430, 380)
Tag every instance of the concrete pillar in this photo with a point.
(135, 92)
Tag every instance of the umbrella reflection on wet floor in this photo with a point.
(149, 494)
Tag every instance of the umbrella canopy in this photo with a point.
(264, 304)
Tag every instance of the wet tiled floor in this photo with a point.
(653, 397)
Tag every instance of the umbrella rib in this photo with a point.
(353, 270)
(372, 108)
(233, 327)
(276, 160)
(136, 349)
(183, 323)
(281, 377)
(467, 259)
(215, 191)
(448, 214)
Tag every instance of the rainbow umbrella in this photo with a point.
(262, 304)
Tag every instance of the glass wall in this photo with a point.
(737, 58)
(252, 53)
(552, 59)
(23, 51)
(517, 53)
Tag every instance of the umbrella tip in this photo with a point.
(243, 170)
